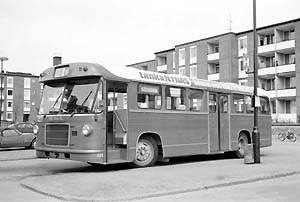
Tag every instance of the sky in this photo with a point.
(120, 32)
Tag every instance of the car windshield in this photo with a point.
(73, 96)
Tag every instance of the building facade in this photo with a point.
(229, 58)
(20, 97)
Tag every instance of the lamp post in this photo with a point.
(255, 132)
(1, 90)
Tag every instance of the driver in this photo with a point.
(69, 101)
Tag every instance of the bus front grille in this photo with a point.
(57, 134)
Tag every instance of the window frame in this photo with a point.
(182, 89)
(159, 94)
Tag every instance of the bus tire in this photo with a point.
(242, 141)
(146, 152)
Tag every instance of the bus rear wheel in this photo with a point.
(146, 152)
(242, 141)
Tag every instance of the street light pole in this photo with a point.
(255, 132)
(1, 90)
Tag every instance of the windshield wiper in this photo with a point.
(87, 97)
(56, 100)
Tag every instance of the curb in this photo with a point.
(18, 159)
(226, 184)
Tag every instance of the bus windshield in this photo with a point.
(72, 96)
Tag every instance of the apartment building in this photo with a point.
(229, 57)
(20, 97)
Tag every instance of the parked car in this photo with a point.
(12, 137)
(23, 127)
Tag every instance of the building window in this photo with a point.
(241, 64)
(213, 68)
(266, 39)
(217, 66)
(149, 96)
(26, 106)
(27, 82)
(174, 63)
(26, 94)
(10, 82)
(243, 42)
(26, 117)
(182, 71)
(273, 104)
(270, 61)
(9, 116)
(181, 56)
(9, 106)
(9, 94)
(193, 54)
(175, 98)
(193, 71)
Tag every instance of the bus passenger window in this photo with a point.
(238, 103)
(264, 106)
(212, 103)
(149, 96)
(175, 98)
(196, 100)
(249, 108)
(223, 103)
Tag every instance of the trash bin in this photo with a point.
(248, 154)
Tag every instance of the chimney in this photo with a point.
(56, 60)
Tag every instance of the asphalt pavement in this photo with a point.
(120, 183)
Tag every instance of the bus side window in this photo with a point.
(264, 106)
(223, 103)
(249, 108)
(212, 103)
(238, 103)
(196, 100)
(175, 98)
(149, 96)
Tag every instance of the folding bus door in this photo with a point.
(116, 122)
(218, 122)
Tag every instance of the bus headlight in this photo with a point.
(87, 129)
(35, 129)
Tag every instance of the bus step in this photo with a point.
(116, 154)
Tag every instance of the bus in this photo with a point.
(102, 115)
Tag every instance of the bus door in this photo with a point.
(218, 122)
(116, 122)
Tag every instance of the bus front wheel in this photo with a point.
(242, 141)
(146, 152)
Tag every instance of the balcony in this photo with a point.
(243, 74)
(213, 77)
(284, 118)
(213, 56)
(284, 70)
(266, 72)
(286, 93)
(162, 68)
(266, 48)
(285, 45)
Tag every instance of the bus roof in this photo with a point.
(76, 70)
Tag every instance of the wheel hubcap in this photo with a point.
(143, 152)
